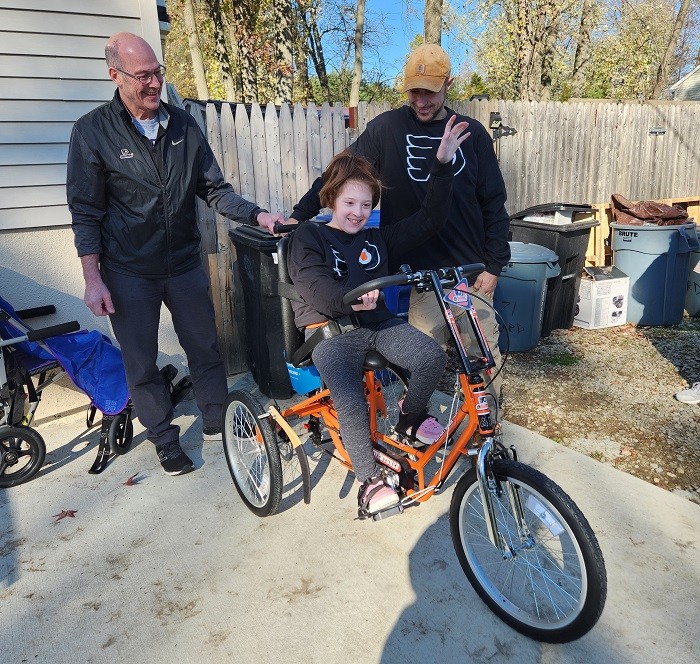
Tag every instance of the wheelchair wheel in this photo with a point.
(120, 433)
(252, 455)
(22, 453)
(394, 386)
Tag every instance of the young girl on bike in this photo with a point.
(327, 261)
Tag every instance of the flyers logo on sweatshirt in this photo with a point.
(340, 268)
(369, 256)
(420, 152)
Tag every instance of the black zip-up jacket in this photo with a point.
(132, 202)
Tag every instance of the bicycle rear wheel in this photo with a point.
(394, 387)
(553, 587)
(252, 454)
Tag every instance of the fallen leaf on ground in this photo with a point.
(132, 480)
(64, 514)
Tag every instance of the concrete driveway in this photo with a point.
(178, 570)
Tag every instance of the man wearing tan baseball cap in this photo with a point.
(401, 144)
(427, 68)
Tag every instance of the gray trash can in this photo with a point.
(692, 295)
(520, 294)
(569, 241)
(656, 260)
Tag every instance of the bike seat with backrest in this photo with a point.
(293, 338)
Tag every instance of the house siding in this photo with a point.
(688, 88)
(52, 71)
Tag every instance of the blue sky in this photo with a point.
(404, 19)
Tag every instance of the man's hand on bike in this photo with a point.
(368, 301)
(485, 284)
(268, 220)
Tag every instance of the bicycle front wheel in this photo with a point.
(251, 453)
(552, 584)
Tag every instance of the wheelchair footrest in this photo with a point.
(180, 390)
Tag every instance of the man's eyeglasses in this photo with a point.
(144, 78)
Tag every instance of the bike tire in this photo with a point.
(394, 387)
(120, 433)
(252, 455)
(22, 454)
(553, 591)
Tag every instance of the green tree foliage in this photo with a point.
(339, 84)
(528, 49)
(253, 35)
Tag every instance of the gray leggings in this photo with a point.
(339, 360)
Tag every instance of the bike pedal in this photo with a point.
(388, 512)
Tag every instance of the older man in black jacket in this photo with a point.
(135, 168)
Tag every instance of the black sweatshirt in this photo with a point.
(402, 148)
(325, 263)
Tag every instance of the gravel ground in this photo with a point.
(608, 393)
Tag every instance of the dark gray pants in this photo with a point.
(339, 360)
(137, 303)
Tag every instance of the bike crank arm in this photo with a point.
(298, 450)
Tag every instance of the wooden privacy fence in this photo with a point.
(561, 152)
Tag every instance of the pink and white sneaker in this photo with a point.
(374, 496)
(428, 431)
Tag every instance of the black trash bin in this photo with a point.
(256, 251)
(555, 226)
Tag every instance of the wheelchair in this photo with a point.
(33, 359)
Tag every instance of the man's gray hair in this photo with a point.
(112, 54)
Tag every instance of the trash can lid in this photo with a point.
(254, 237)
(526, 252)
(552, 207)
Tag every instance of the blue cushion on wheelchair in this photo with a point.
(87, 356)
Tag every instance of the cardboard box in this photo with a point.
(602, 298)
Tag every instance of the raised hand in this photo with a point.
(451, 139)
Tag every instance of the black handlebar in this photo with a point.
(284, 228)
(447, 275)
(374, 284)
(36, 311)
(53, 331)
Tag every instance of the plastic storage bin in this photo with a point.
(304, 379)
(256, 251)
(656, 260)
(520, 294)
(566, 237)
(692, 294)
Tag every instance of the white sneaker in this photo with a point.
(691, 395)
